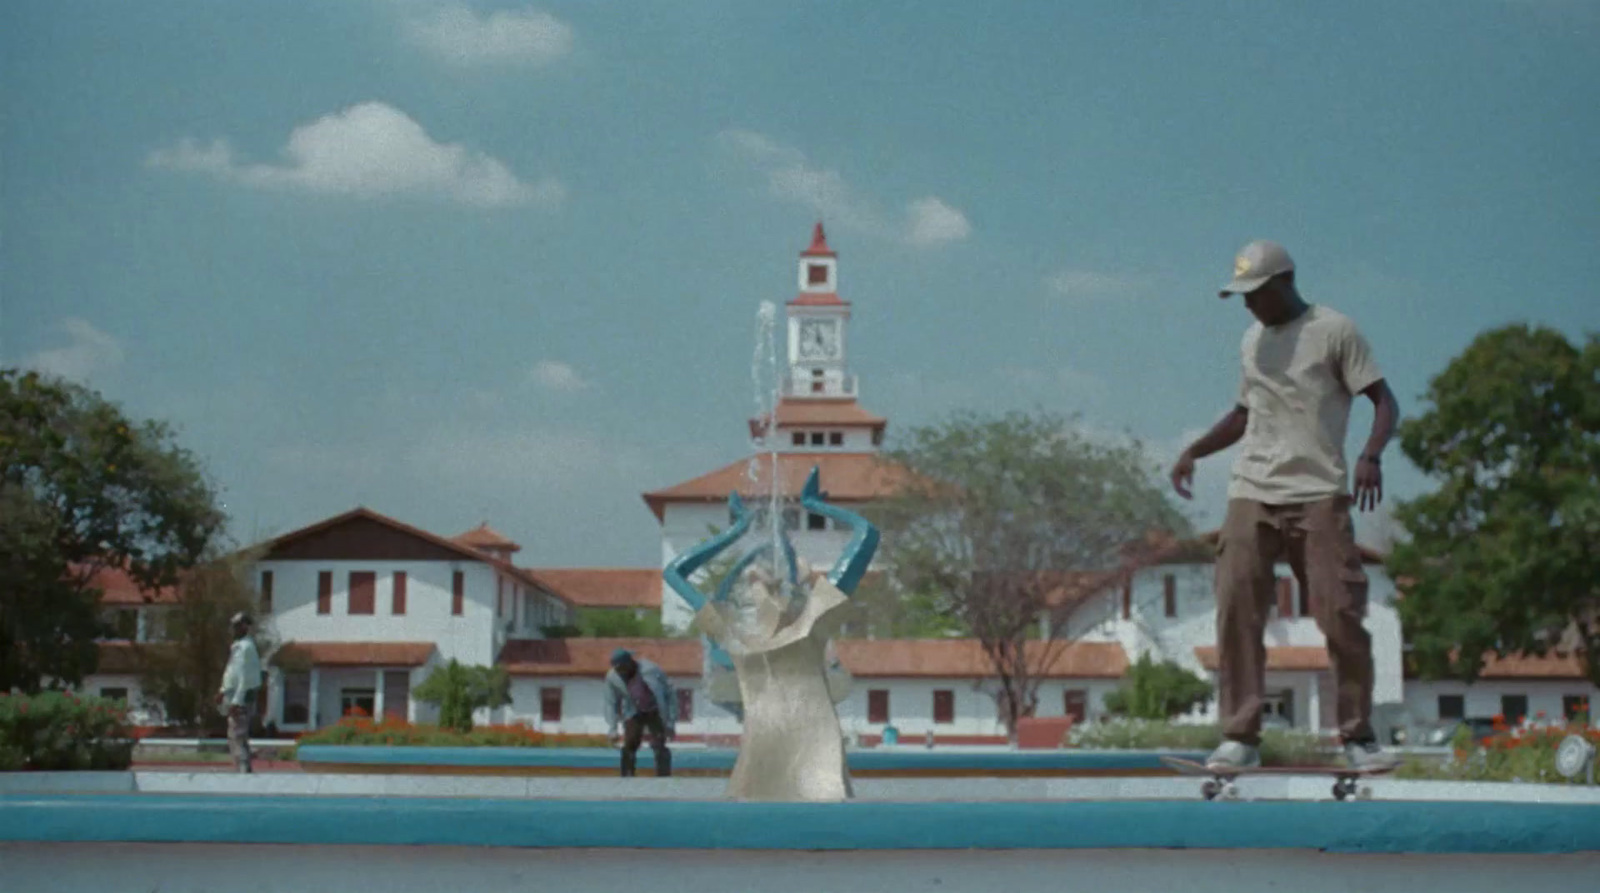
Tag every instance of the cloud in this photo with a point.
(458, 35)
(367, 151)
(926, 222)
(1093, 286)
(555, 375)
(88, 351)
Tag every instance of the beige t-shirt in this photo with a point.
(1297, 384)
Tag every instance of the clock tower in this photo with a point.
(817, 318)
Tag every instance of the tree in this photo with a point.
(1003, 521)
(459, 690)
(1153, 690)
(1501, 557)
(181, 671)
(83, 488)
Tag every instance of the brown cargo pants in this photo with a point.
(1318, 541)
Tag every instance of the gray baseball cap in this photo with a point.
(1255, 264)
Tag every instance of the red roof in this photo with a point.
(485, 537)
(845, 477)
(1288, 657)
(965, 658)
(839, 412)
(606, 587)
(818, 299)
(1554, 665)
(119, 589)
(125, 657)
(358, 654)
(819, 244)
(592, 657)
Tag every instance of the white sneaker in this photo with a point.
(1369, 756)
(1232, 754)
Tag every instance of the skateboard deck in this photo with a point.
(1220, 781)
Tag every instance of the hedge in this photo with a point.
(62, 731)
(397, 733)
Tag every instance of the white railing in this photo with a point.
(799, 386)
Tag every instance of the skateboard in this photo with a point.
(1346, 781)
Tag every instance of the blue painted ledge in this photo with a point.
(1356, 827)
(721, 760)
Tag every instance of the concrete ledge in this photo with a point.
(1356, 827)
(863, 763)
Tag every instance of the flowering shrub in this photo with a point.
(1524, 752)
(60, 730)
(398, 733)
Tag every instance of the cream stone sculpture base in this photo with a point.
(792, 747)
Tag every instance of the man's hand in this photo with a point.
(1369, 483)
(218, 699)
(613, 739)
(1183, 475)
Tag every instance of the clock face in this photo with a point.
(819, 339)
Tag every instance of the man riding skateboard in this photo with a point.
(1302, 365)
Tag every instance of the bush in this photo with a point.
(457, 690)
(1279, 747)
(59, 731)
(1525, 754)
(1157, 691)
(397, 733)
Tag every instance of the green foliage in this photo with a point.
(611, 623)
(180, 675)
(400, 734)
(1500, 558)
(82, 487)
(1279, 747)
(996, 518)
(458, 690)
(61, 731)
(1157, 691)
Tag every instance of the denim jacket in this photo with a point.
(618, 701)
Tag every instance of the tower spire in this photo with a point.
(819, 244)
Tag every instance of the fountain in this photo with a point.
(773, 626)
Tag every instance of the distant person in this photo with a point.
(1288, 497)
(639, 692)
(241, 682)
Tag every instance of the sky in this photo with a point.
(500, 262)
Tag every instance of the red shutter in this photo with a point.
(363, 592)
(1127, 597)
(1285, 597)
(878, 705)
(399, 606)
(325, 592)
(944, 706)
(458, 591)
(685, 705)
(1169, 587)
(550, 704)
(266, 593)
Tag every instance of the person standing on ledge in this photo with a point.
(1289, 497)
(638, 691)
(241, 684)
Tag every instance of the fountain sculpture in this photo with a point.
(772, 626)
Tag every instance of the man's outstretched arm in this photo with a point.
(1369, 469)
(1225, 433)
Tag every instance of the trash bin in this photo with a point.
(891, 735)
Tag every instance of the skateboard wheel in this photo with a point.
(1338, 790)
(1210, 789)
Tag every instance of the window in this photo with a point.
(944, 706)
(1452, 706)
(1127, 597)
(816, 274)
(458, 592)
(325, 592)
(791, 519)
(878, 705)
(1573, 706)
(399, 604)
(1169, 594)
(799, 438)
(1075, 703)
(1285, 597)
(266, 592)
(685, 705)
(1305, 601)
(1514, 708)
(835, 438)
(817, 438)
(363, 592)
(296, 698)
(550, 704)
(815, 521)
(123, 623)
(114, 694)
(357, 701)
